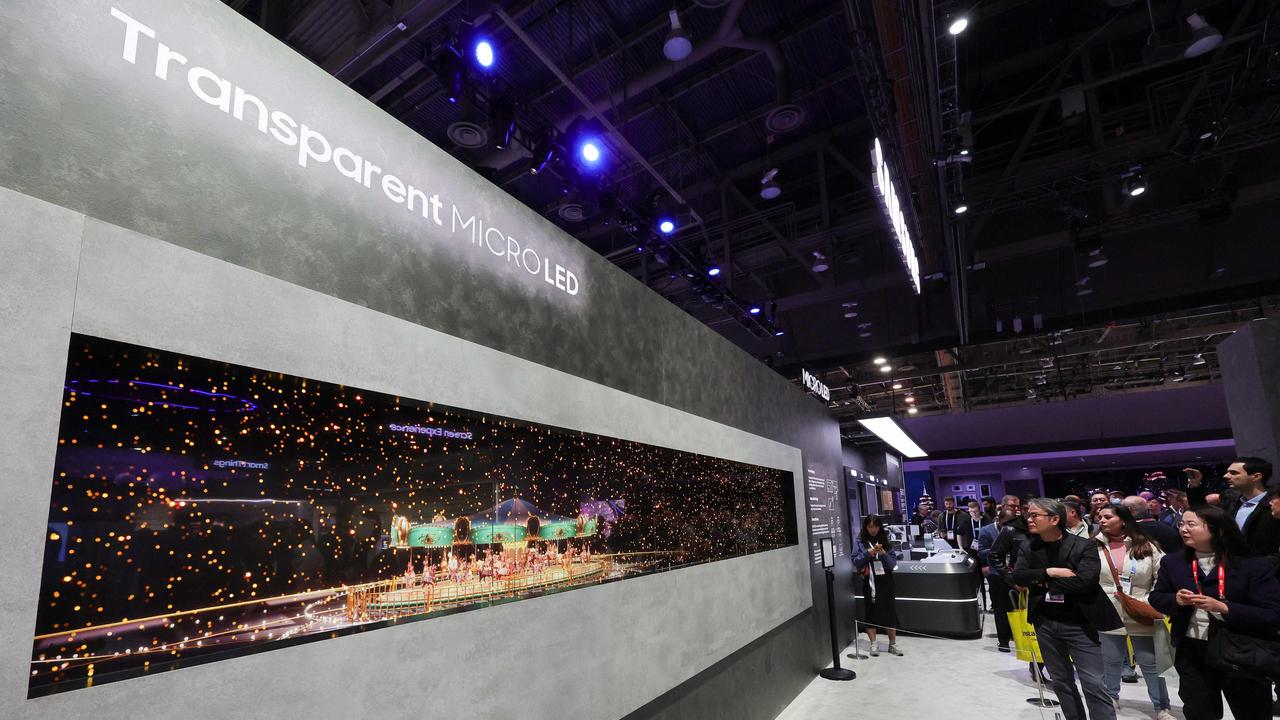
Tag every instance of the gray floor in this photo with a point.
(968, 677)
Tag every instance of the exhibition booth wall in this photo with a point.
(1173, 414)
(176, 180)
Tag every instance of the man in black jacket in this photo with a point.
(1068, 608)
(1248, 501)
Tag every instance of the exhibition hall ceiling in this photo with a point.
(1043, 118)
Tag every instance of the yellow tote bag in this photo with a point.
(1024, 634)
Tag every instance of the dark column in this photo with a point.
(1250, 361)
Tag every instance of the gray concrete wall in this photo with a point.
(621, 643)
(173, 224)
(1250, 360)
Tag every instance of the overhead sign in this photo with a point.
(894, 209)
(814, 384)
(142, 46)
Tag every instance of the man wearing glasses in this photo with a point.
(1068, 608)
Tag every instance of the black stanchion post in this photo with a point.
(835, 672)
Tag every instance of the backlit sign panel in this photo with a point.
(892, 204)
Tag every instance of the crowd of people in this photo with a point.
(1101, 574)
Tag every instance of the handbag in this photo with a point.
(1251, 655)
(1236, 652)
(1140, 611)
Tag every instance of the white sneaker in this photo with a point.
(873, 651)
(1165, 715)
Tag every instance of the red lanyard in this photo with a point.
(1222, 579)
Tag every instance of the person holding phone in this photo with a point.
(873, 560)
(1248, 502)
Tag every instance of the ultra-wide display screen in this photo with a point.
(202, 510)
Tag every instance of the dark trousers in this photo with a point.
(1002, 605)
(1202, 688)
(1070, 650)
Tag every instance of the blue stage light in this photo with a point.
(777, 333)
(666, 226)
(754, 310)
(589, 151)
(713, 271)
(485, 56)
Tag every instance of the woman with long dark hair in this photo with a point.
(872, 558)
(1215, 580)
(1130, 561)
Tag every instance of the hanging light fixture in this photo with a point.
(678, 45)
(1134, 184)
(1204, 37)
(769, 187)
(819, 262)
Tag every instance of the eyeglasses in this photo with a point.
(1032, 515)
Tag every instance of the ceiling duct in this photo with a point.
(469, 130)
(785, 115)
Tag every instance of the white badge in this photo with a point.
(951, 535)
(1050, 597)
(877, 567)
(1126, 584)
(974, 544)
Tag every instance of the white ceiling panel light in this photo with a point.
(888, 430)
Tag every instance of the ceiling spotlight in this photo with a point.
(964, 152)
(1083, 291)
(544, 151)
(879, 360)
(777, 333)
(909, 399)
(851, 314)
(1199, 359)
(589, 150)
(958, 25)
(666, 226)
(961, 207)
(1134, 184)
(1211, 132)
(1096, 258)
(678, 45)
(1204, 37)
(754, 309)
(912, 411)
(769, 187)
(849, 304)
(502, 122)
(713, 271)
(819, 262)
(483, 53)
(897, 386)
(864, 334)
(886, 368)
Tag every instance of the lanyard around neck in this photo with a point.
(1222, 579)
